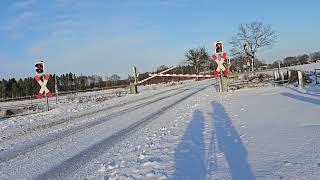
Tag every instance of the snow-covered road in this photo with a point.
(187, 131)
(60, 147)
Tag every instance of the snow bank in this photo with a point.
(306, 67)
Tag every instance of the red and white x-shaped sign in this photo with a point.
(220, 60)
(43, 85)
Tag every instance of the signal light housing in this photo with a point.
(218, 47)
(39, 68)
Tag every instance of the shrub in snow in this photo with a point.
(71, 97)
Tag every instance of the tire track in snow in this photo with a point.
(76, 117)
(72, 164)
(25, 148)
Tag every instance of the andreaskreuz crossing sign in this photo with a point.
(220, 57)
(39, 68)
(43, 85)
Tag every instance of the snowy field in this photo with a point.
(185, 131)
(306, 67)
(32, 106)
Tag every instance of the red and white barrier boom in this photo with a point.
(182, 75)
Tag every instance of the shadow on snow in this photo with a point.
(301, 98)
(189, 156)
(309, 91)
(230, 144)
(190, 159)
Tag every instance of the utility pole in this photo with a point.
(135, 75)
(252, 59)
(246, 47)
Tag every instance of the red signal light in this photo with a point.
(218, 47)
(39, 68)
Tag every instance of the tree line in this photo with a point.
(300, 59)
(70, 82)
(200, 60)
(13, 88)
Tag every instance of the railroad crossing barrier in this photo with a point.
(182, 75)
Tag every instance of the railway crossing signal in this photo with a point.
(218, 47)
(43, 85)
(39, 68)
(220, 58)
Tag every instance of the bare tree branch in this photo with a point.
(197, 58)
(251, 37)
(255, 35)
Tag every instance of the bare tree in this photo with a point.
(161, 68)
(291, 60)
(197, 58)
(251, 37)
(115, 77)
(303, 59)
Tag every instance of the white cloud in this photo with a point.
(153, 3)
(24, 4)
(14, 27)
(65, 2)
(38, 47)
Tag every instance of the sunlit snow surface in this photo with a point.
(185, 131)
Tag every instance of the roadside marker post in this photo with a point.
(316, 75)
(300, 79)
(275, 75)
(282, 77)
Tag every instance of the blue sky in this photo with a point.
(110, 36)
